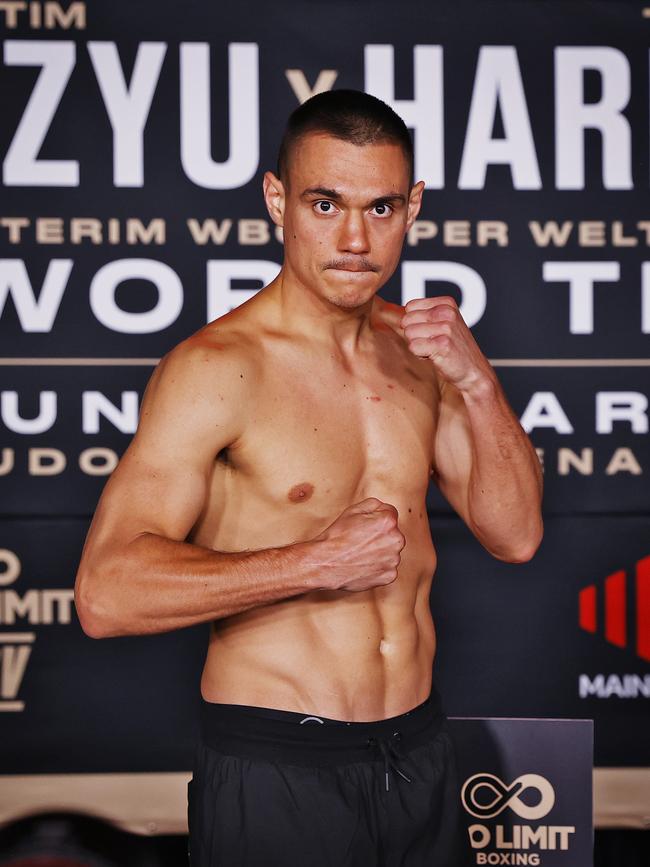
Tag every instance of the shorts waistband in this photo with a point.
(299, 738)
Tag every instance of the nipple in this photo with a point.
(300, 493)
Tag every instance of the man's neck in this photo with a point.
(303, 312)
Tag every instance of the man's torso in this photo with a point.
(319, 435)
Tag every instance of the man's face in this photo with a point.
(345, 211)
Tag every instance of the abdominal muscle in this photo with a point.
(354, 656)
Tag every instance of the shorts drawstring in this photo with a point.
(389, 751)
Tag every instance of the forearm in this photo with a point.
(157, 584)
(506, 482)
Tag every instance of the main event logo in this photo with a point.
(616, 630)
(614, 598)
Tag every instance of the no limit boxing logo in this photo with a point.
(616, 624)
(486, 796)
(21, 611)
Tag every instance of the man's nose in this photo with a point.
(354, 234)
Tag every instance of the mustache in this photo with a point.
(351, 264)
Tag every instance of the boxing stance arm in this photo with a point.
(137, 575)
(488, 470)
(483, 462)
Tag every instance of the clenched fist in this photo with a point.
(361, 549)
(434, 328)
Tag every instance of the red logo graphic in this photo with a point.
(616, 625)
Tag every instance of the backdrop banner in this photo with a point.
(133, 146)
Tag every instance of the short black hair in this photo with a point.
(349, 115)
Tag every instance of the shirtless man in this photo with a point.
(276, 488)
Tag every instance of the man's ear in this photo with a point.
(274, 194)
(415, 203)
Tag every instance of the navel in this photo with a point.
(300, 493)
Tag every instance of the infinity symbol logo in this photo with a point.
(481, 787)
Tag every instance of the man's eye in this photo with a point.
(324, 207)
(383, 210)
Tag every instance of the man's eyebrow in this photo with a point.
(389, 198)
(322, 191)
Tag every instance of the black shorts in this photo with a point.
(273, 787)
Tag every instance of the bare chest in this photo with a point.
(330, 437)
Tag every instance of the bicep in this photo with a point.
(161, 483)
(146, 496)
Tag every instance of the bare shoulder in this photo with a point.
(213, 356)
(388, 319)
(202, 386)
(388, 315)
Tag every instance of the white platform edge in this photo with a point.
(156, 803)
